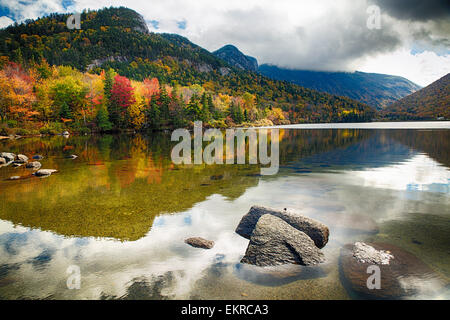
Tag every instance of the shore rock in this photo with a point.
(8, 156)
(275, 242)
(33, 165)
(2, 161)
(199, 242)
(14, 178)
(401, 273)
(316, 230)
(20, 158)
(38, 157)
(44, 172)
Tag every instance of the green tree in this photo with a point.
(103, 122)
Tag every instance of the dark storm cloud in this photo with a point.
(416, 10)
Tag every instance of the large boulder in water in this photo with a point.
(316, 230)
(275, 242)
(401, 273)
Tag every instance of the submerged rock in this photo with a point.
(33, 165)
(14, 178)
(275, 242)
(38, 157)
(72, 156)
(199, 242)
(44, 172)
(20, 158)
(316, 230)
(401, 273)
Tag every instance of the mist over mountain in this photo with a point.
(377, 90)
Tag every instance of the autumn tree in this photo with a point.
(122, 97)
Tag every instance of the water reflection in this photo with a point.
(122, 210)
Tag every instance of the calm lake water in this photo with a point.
(122, 210)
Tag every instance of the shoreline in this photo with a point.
(416, 125)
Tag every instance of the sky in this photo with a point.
(409, 38)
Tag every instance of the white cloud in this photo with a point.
(5, 21)
(422, 68)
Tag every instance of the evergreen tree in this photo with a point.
(154, 114)
(103, 122)
(64, 112)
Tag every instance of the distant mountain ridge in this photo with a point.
(377, 90)
(429, 103)
(236, 58)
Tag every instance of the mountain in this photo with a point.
(118, 38)
(377, 90)
(236, 58)
(429, 103)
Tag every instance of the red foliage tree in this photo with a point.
(121, 99)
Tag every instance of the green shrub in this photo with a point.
(51, 128)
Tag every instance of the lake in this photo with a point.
(121, 211)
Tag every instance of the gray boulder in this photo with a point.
(44, 172)
(20, 158)
(316, 230)
(199, 242)
(275, 242)
(8, 156)
(33, 165)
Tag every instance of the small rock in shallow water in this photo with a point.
(198, 242)
(72, 156)
(33, 165)
(14, 178)
(20, 158)
(44, 172)
(38, 157)
(8, 156)
(2, 161)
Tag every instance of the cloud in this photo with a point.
(422, 68)
(5, 21)
(416, 10)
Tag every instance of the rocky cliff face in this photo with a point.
(236, 58)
